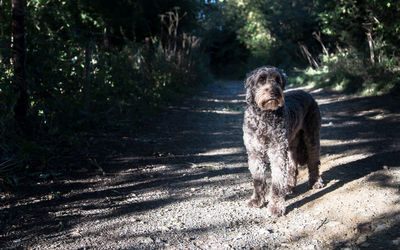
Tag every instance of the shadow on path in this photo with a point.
(183, 148)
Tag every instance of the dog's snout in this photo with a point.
(263, 103)
(275, 92)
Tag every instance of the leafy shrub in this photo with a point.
(352, 73)
(79, 86)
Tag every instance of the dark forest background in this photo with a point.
(72, 68)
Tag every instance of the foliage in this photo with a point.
(91, 66)
(258, 32)
(350, 73)
(356, 41)
(96, 65)
(362, 38)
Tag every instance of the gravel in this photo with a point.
(183, 183)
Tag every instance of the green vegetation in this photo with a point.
(362, 53)
(69, 69)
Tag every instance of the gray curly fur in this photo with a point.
(284, 128)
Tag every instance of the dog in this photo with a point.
(281, 128)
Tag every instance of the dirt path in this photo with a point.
(183, 183)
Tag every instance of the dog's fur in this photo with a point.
(284, 128)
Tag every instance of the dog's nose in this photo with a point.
(275, 92)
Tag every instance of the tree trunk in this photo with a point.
(371, 47)
(106, 37)
(317, 36)
(88, 68)
(304, 51)
(19, 53)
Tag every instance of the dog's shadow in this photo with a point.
(338, 176)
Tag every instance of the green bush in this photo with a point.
(79, 87)
(351, 73)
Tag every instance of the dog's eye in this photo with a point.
(261, 79)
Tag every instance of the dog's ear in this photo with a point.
(248, 84)
(280, 77)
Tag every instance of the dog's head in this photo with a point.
(264, 88)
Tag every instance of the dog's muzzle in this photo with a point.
(267, 102)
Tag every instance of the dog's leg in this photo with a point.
(312, 142)
(292, 171)
(313, 147)
(257, 169)
(276, 205)
(315, 180)
(279, 180)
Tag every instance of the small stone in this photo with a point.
(365, 244)
(396, 242)
(311, 247)
(385, 167)
(188, 238)
(265, 231)
(164, 228)
(333, 223)
(364, 228)
(380, 228)
(145, 240)
(361, 239)
(75, 234)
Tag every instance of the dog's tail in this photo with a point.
(302, 155)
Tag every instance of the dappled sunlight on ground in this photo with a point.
(182, 182)
(224, 151)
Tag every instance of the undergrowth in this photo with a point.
(350, 73)
(86, 90)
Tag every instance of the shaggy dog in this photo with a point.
(283, 128)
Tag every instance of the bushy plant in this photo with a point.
(352, 73)
(80, 86)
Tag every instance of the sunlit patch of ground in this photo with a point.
(184, 185)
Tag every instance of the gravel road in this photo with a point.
(182, 183)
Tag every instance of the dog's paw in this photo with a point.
(255, 203)
(291, 190)
(275, 211)
(319, 183)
